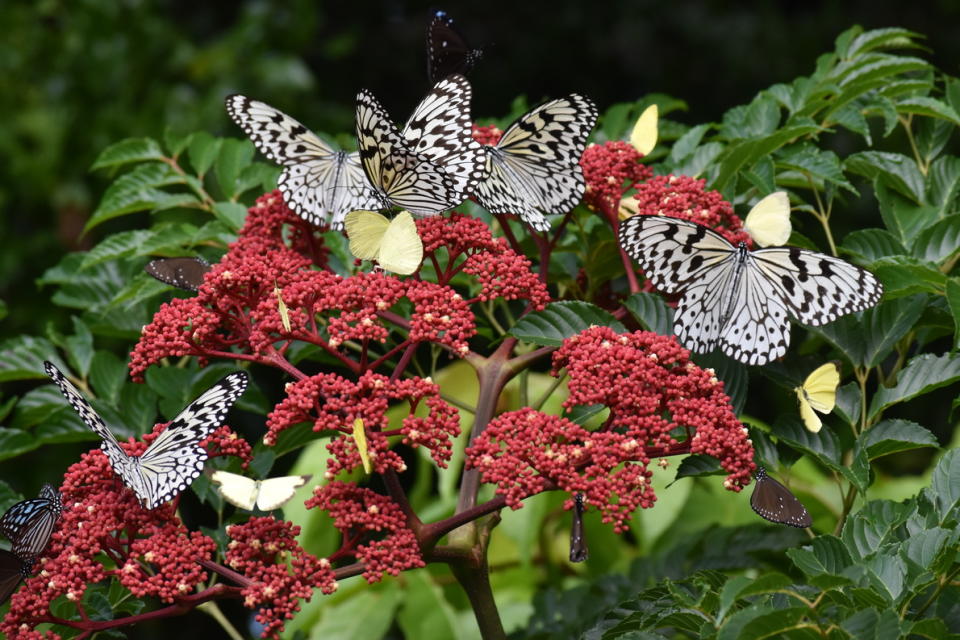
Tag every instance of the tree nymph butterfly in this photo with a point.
(740, 299)
(774, 502)
(534, 169)
(183, 273)
(447, 50)
(319, 183)
(175, 459)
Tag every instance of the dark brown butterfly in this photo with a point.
(578, 543)
(447, 49)
(774, 502)
(12, 571)
(184, 273)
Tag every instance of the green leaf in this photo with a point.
(943, 185)
(953, 300)
(651, 311)
(14, 442)
(687, 143)
(886, 38)
(365, 614)
(823, 445)
(135, 191)
(923, 374)
(560, 320)
(699, 465)
(128, 151)
(235, 155)
(938, 242)
(232, 214)
(924, 106)
(870, 245)
(826, 555)
(944, 490)
(21, 358)
(902, 218)
(822, 166)
(904, 276)
(734, 376)
(79, 347)
(745, 153)
(848, 403)
(898, 171)
(425, 612)
(119, 245)
(203, 150)
(107, 375)
(865, 339)
(895, 435)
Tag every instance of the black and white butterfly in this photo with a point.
(183, 273)
(319, 183)
(578, 542)
(534, 170)
(29, 523)
(447, 50)
(740, 299)
(434, 164)
(175, 459)
(774, 502)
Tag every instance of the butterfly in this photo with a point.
(774, 502)
(818, 391)
(434, 163)
(768, 222)
(741, 299)
(29, 523)
(394, 244)
(319, 183)
(447, 49)
(266, 495)
(175, 459)
(578, 543)
(183, 273)
(643, 137)
(535, 167)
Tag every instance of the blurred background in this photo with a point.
(77, 76)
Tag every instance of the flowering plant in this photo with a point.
(495, 306)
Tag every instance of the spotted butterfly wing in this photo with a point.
(774, 502)
(319, 183)
(534, 169)
(175, 459)
(737, 299)
(183, 273)
(401, 176)
(29, 524)
(447, 49)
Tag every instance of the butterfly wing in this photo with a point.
(90, 417)
(275, 492)
(768, 222)
(29, 523)
(12, 571)
(447, 49)
(579, 551)
(440, 129)
(820, 387)
(401, 250)
(535, 167)
(366, 230)
(240, 491)
(183, 273)
(400, 176)
(319, 183)
(643, 137)
(774, 502)
(175, 459)
(810, 418)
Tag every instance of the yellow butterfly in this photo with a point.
(394, 244)
(360, 436)
(266, 495)
(818, 391)
(768, 223)
(644, 134)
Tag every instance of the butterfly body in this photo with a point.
(319, 183)
(175, 458)
(534, 169)
(447, 50)
(741, 300)
(774, 502)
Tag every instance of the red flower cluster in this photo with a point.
(611, 170)
(685, 198)
(333, 403)
(374, 526)
(651, 388)
(261, 549)
(488, 135)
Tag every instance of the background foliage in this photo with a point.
(864, 139)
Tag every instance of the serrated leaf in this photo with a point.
(21, 358)
(952, 292)
(107, 375)
(135, 191)
(128, 151)
(560, 320)
(651, 311)
(926, 106)
(943, 184)
(848, 403)
(938, 242)
(823, 445)
(118, 245)
(203, 150)
(895, 435)
(687, 143)
(870, 245)
(234, 156)
(867, 531)
(898, 171)
(944, 490)
(826, 555)
(232, 214)
(865, 339)
(904, 276)
(822, 166)
(699, 465)
(923, 374)
(885, 38)
(743, 154)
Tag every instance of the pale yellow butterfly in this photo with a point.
(266, 495)
(360, 435)
(768, 223)
(644, 134)
(394, 244)
(818, 391)
(282, 308)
